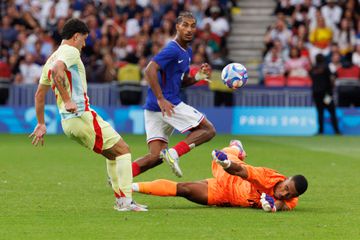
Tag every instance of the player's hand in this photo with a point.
(71, 107)
(166, 107)
(204, 73)
(267, 203)
(38, 134)
(221, 158)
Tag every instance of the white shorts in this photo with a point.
(160, 128)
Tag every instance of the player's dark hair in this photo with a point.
(72, 26)
(184, 14)
(301, 183)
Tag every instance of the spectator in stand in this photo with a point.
(133, 25)
(219, 25)
(39, 57)
(297, 66)
(348, 70)
(345, 38)
(332, 13)
(106, 72)
(356, 55)
(5, 79)
(304, 51)
(56, 35)
(195, 7)
(121, 49)
(273, 63)
(335, 62)
(94, 35)
(285, 7)
(176, 6)
(320, 39)
(322, 88)
(299, 34)
(300, 16)
(14, 62)
(283, 51)
(348, 82)
(29, 71)
(278, 32)
(158, 12)
(311, 10)
(167, 32)
(7, 32)
(132, 9)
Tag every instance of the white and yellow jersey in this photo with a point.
(75, 83)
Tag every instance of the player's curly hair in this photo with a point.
(184, 14)
(72, 26)
(301, 183)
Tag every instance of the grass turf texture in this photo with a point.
(60, 192)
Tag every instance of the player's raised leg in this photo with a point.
(200, 134)
(194, 191)
(152, 159)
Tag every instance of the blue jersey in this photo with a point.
(174, 62)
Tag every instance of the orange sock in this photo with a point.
(159, 187)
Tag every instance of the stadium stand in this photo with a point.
(133, 31)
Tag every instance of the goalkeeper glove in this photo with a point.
(221, 158)
(267, 203)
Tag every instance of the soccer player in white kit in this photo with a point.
(64, 72)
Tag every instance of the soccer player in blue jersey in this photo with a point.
(166, 74)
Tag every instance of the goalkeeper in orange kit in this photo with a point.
(235, 184)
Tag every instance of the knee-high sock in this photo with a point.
(159, 187)
(124, 172)
(111, 170)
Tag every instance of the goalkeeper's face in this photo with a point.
(285, 190)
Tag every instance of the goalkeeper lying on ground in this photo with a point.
(235, 184)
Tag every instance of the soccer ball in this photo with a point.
(234, 75)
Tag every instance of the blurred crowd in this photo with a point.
(124, 35)
(305, 28)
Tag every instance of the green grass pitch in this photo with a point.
(60, 192)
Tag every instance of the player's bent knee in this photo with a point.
(211, 132)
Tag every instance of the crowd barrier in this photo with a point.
(107, 95)
(285, 121)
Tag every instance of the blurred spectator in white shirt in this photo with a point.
(280, 32)
(219, 25)
(273, 63)
(331, 13)
(29, 71)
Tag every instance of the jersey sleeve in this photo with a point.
(165, 56)
(263, 177)
(291, 203)
(44, 78)
(70, 56)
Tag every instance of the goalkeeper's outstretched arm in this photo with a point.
(229, 166)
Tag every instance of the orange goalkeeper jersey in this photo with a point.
(246, 193)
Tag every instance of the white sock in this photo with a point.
(124, 172)
(112, 173)
(135, 187)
